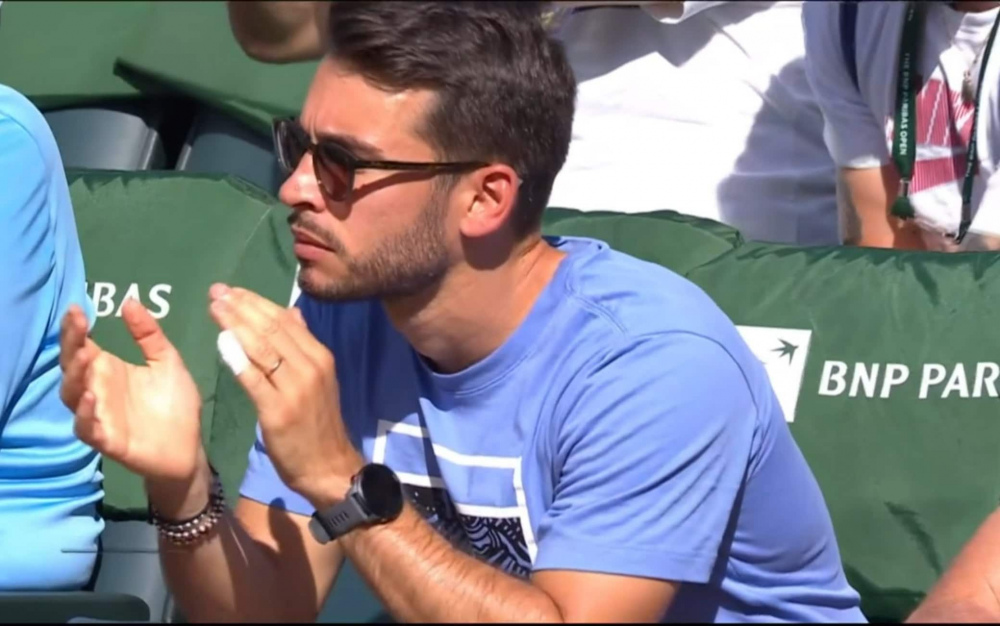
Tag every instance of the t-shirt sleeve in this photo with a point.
(853, 134)
(27, 246)
(651, 455)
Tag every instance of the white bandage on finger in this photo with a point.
(232, 352)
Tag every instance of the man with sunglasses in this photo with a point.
(491, 425)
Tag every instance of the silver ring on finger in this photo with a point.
(274, 368)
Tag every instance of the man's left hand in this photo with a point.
(292, 379)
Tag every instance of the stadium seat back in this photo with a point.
(122, 135)
(220, 144)
(165, 238)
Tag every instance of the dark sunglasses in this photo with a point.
(334, 165)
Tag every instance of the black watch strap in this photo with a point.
(338, 520)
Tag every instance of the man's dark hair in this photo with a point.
(505, 91)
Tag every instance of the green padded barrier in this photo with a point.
(679, 242)
(63, 53)
(897, 402)
(165, 238)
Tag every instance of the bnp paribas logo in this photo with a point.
(783, 352)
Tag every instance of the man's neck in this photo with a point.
(474, 310)
(974, 6)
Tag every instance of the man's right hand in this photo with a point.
(145, 417)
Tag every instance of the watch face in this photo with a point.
(382, 493)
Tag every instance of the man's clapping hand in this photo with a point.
(292, 380)
(146, 417)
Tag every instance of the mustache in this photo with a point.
(303, 223)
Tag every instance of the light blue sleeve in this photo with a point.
(652, 451)
(27, 256)
(49, 480)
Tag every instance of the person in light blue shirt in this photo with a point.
(49, 480)
(624, 427)
(491, 425)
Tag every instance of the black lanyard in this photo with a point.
(904, 144)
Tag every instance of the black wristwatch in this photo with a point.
(375, 497)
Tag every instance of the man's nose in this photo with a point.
(301, 190)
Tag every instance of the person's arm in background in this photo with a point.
(864, 198)
(868, 180)
(969, 591)
(279, 32)
(283, 32)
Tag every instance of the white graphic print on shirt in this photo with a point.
(495, 534)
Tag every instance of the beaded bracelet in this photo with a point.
(197, 528)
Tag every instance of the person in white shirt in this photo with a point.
(910, 187)
(700, 107)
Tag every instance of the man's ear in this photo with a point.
(491, 204)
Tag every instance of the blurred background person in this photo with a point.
(49, 480)
(699, 107)
(908, 185)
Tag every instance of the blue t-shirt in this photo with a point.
(624, 428)
(49, 480)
